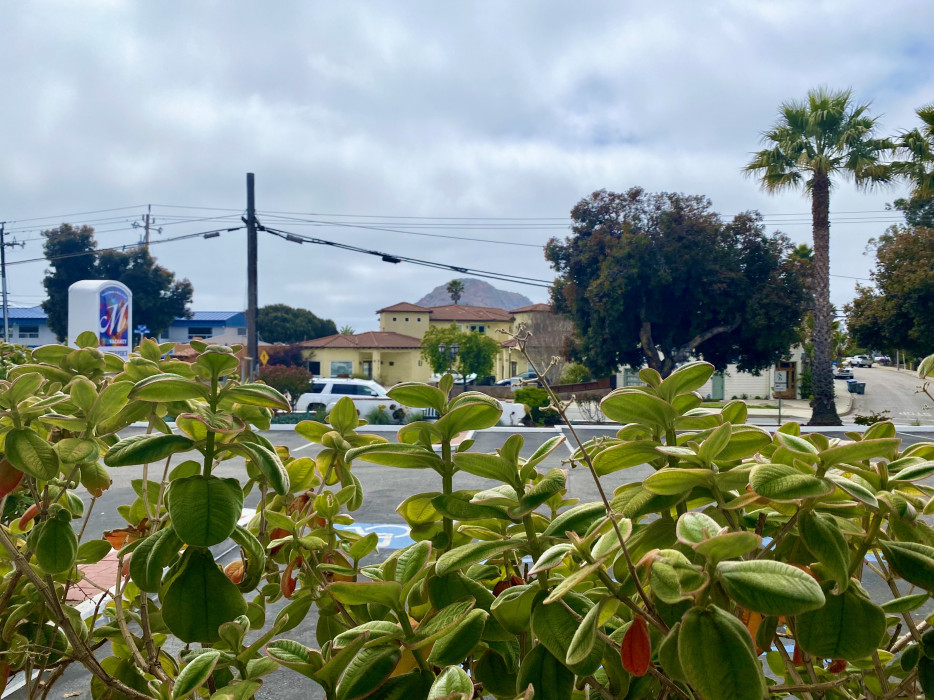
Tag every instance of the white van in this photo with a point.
(365, 394)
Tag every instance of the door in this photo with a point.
(718, 391)
(367, 367)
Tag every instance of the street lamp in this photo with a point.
(450, 355)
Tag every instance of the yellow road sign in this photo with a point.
(263, 358)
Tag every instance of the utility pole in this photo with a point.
(6, 308)
(251, 276)
(147, 225)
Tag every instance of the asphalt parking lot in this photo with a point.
(384, 489)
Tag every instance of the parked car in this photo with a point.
(861, 361)
(524, 379)
(365, 394)
(843, 373)
(882, 359)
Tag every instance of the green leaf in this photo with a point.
(585, 637)
(258, 395)
(545, 449)
(151, 556)
(418, 509)
(488, 466)
(822, 536)
(688, 377)
(906, 603)
(455, 646)
(780, 482)
(849, 626)
(204, 510)
(168, 387)
(295, 657)
(915, 472)
(859, 451)
(142, 449)
(729, 545)
(554, 627)
(195, 674)
(717, 657)
(32, 455)
(417, 395)
(110, 402)
(513, 607)
(468, 554)
(668, 657)
(473, 413)
(694, 528)
(462, 509)
(411, 560)
(632, 500)
(254, 558)
(715, 443)
(268, 462)
(368, 670)
(674, 482)
(770, 587)
(550, 484)
(577, 519)
(439, 624)
(55, 544)
(549, 677)
(673, 577)
(634, 406)
(92, 551)
(795, 443)
(453, 682)
(551, 557)
(386, 593)
(745, 441)
(197, 598)
(857, 491)
(624, 456)
(73, 450)
(913, 561)
(400, 455)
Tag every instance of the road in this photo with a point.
(892, 391)
(384, 489)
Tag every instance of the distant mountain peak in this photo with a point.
(476, 293)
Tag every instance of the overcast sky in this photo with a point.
(357, 112)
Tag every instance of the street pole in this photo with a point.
(6, 314)
(251, 276)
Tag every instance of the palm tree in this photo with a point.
(813, 141)
(917, 147)
(456, 290)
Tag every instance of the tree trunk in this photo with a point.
(824, 411)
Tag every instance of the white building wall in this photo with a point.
(737, 383)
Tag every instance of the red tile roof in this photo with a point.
(405, 306)
(460, 312)
(533, 307)
(371, 340)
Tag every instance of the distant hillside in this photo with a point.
(476, 293)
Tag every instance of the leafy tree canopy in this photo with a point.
(158, 298)
(456, 289)
(280, 323)
(659, 278)
(476, 352)
(896, 313)
(292, 381)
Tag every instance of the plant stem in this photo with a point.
(447, 488)
(409, 632)
(867, 543)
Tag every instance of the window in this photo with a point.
(199, 332)
(391, 364)
(345, 389)
(394, 318)
(29, 331)
(315, 368)
(241, 330)
(365, 391)
(418, 318)
(343, 367)
(316, 388)
(479, 329)
(406, 319)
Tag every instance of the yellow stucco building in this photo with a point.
(393, 353)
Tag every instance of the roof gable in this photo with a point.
(370, 340)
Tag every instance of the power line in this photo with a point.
(201, 234)
(390, 258)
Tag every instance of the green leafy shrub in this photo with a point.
(873, 417)
(537, 399)
(700, 580)
(575, 373)
(379, 416)
(289, 380)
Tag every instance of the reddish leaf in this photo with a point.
(30, 513)
(287, 583)
(10, 477)
(837, 666)
(797, 658)
(234, 571)
(636, 650)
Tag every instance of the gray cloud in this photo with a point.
(420, 109)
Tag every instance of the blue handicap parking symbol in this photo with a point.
(391, 536)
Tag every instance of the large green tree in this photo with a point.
(915, 149)
(659, 278)
(280, 323)
(813, 142)
(897, 312)
(158, 298)
(475, 352)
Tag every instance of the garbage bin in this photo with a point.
(860, 387)
(851, 385)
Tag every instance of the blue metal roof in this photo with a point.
(219, 318)
(28, 313)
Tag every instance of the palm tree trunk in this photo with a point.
(824, 411)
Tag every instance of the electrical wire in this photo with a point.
(200, 234)
(390, 258)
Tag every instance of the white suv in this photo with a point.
(365, 394)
